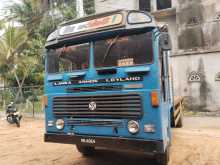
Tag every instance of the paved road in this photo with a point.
(202, 122)
(198, 143)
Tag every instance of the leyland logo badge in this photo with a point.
(92, 106)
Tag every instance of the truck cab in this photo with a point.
(107, 84)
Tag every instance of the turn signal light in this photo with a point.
(154, 99)
(44, 101)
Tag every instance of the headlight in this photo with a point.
(60, 124)
(133, 127)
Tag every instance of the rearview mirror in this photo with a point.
(165, 42)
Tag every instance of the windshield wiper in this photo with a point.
(109, 48)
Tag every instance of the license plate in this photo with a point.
(88, 141)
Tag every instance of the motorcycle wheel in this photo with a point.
(10, 120)
(17, 121)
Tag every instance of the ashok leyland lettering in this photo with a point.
(107, 84)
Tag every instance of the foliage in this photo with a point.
(22, 47)
(29, 13)
(11, 42)
(89, 6)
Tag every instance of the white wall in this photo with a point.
(109, 5)
(174, 3)
(204, 94)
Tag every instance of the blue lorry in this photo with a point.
(108, 84)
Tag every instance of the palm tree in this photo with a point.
(10, 41)
(37, 16)
(10, 48)
(29, 13)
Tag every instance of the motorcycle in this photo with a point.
(13, 115)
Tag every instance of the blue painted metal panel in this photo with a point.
(138, 69)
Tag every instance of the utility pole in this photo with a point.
(79, 8)
(153, 5)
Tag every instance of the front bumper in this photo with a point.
(137, 145)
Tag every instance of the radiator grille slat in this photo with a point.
(100, 102)
(107, 106)
(95, 88)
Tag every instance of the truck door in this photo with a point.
(165, 83)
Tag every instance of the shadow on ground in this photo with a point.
(106, 157)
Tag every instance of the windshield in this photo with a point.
(124, 50)
(118, 51)
(67, 59)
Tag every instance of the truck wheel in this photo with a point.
(85, 150)
(172, 120)
(180, 122)
(163, 159)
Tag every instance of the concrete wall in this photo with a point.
(198, 53)
(174, 3)
(109, 5)
(198, 22)
(203, 92)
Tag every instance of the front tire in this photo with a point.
(17, 121)
(180, 122)
(85, 150)
(10, 120)
(163, 159)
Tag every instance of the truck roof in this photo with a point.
(86, 28)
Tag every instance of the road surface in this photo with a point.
(198, 143)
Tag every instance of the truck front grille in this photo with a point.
(106, 106)
(94, 88)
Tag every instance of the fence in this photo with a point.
(27, 99)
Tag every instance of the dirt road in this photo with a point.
(198, 143)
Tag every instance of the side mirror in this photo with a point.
(165, 42)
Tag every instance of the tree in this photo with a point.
(29, 13)
(34, 16)
(21, 48)
(38, 19)
(23, 67)
(10, 46)
(10, 42)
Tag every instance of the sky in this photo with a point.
(5, 3)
